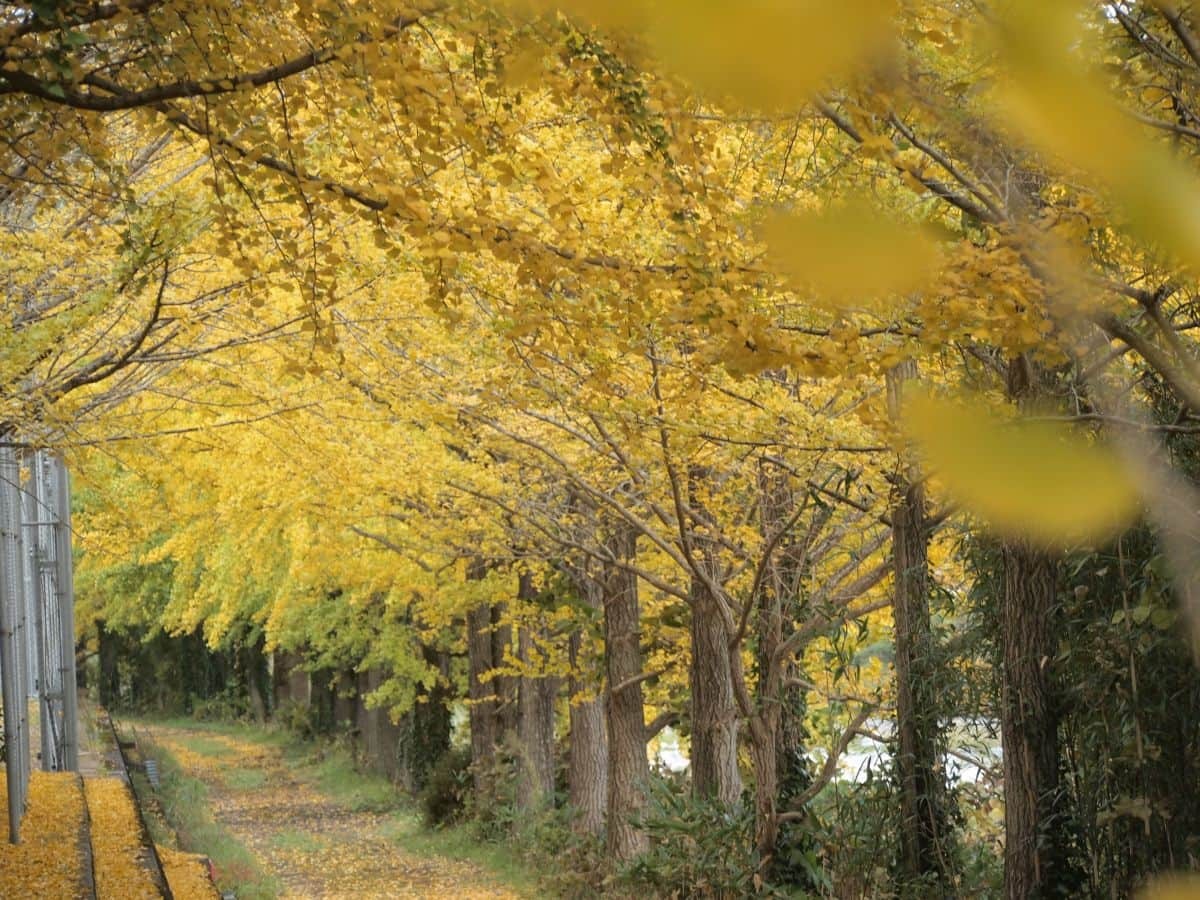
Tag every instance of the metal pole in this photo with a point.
(23, 637)
(51, 635)
(34, 512)
(10, 599)
(66, 597)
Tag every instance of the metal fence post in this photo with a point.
(66, 615)
(37, 619)
(12, 644)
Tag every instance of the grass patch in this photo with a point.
(267, 736)
(462, 842)
(301, 841)
(206, 746)
(336, 777)
(329, 767)
(244, 779)
(186, 808)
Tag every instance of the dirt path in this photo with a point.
(315, 847)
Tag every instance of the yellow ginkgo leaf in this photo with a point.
(762, 53)
(769, 53)
(850, 255)
(1177, 887)
(1036, 480)
(1062, 108)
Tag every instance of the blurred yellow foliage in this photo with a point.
(851, 254)
(1034, 479)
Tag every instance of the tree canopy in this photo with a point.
(787, 374)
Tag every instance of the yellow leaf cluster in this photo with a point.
(118, 853)
(49, 859)
(1031, 479)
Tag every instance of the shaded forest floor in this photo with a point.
(289, 820)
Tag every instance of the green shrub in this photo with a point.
(444, 798)
(298, 718)
(230, 705)
(698, 847)
(573, 865)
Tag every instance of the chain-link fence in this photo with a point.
(37, 619)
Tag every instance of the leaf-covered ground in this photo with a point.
(315, 844)
(49, 861)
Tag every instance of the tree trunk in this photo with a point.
(715, 715)
(425, 729)
(924, 828)
(280, 684)
(505, 685)
(254, 670)
(535, 726)
(110, 678)
(379, 737)
(628, 767)
(1036, 859)
(781, 770)
(291, 680)
(1034, 855)
(587, 760)
(924, 859)
(484, 733)
(345, 703)
(322, 701)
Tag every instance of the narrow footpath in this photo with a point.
(314, 845)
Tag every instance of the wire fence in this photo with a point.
(37, 620)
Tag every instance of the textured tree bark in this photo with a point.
(378, 736)
(628, 767)
(715, 716)
(423, 737)
(254, 669)
(300, 686)
(766, 792)
(322, 701)
(430, 717)
(1033, 840)
(924, 861)
(587, 760)
(280, 678)
(1036, 859)
(505, 685)
(923, 824)
(291, 679)
(780, 769)
(345, 702)
(535, 716)
(484, 732)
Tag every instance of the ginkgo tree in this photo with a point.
(579, 339)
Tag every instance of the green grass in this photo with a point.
(462, 842)
(335, 776)
(186, 808)
(206, 746)
(302, 841)
(330, 769)
(244, 779)
(268, 736)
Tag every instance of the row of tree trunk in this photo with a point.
(607, 760)
(513, 694)
(339, 702)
